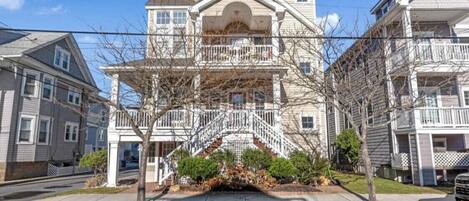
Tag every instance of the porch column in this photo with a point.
(115, 88)
(157, 162)
(277, 101)
(275, 37)
(155, 87)
(113, 164)
(195, 105)
(422, 159)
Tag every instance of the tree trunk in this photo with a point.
(142, 171)
(368, 172)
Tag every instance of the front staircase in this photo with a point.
(214, 126)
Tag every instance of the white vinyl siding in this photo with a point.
(26, 129)
(62, 58)
(44, 130)
(71, 132)
(30, 83)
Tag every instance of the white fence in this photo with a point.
(53, 170)
(236, 53)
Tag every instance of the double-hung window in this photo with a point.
(62, 58)
(163, 17)
(44, 130)
(71, 132)
(466, 97)
(26, 129)
(47, 87)
(74, 96)
(307, 122)
(305, 67)
(30, 83)
(179, 17)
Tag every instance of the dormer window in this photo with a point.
(61, 58)
(163, 17)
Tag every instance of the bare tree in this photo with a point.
(366, 81)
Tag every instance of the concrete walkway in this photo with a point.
(253, 197)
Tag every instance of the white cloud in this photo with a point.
(55, 10)
(87, 39)
(329, 22)
(11, 4)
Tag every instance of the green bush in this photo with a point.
(349, 146)
(310, 167)
(180, 154)
(225, 158)
(96, 160)
(255, 159)
(197, 168)
(282, 169)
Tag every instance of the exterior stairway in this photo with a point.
(207, 139)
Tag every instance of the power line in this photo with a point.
(234, 36)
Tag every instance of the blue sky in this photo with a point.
(113, 15)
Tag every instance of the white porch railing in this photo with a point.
(451, 160)
(441, 52)
(232, 121)
(236, 53)
(172, 119)
(400, 161)
(444, 117)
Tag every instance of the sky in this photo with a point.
(115, 15)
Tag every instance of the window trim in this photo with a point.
(36, 83)
(64, 51)
(52, 90)
(308, 114)
(71, 124)
(463, 90)
(73, 91)
(32, 129)
(173, 17)
(49, 120)
(169, 16)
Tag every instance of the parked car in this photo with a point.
(461, 187)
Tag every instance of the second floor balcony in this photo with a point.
(241, 53)
(439, 53)
(434, 118)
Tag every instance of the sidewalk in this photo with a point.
(253, 197)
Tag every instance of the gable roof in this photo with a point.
(22, 43)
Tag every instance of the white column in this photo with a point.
(195, 107)
(277, 101)
(197, 26)
(275, 37)
(113, 164)
(115, 88)
(157, 162)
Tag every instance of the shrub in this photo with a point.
(349, 146)
(255, 159)
(310, 167)
(180, 154)
(282, 169)
(197, 168)
(96, 160)
(225, 158)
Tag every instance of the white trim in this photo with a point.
(36, 82)
(52, 90)
(307, 114)
(62, 51)
(433, 159)
(74, 92)
(72, 126)
(464, 89)
(32, 128)
(49, 121)
(419, 158)
(166, 7)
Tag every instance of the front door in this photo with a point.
(431, 102)
(238, 101)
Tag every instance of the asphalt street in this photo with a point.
(40, 189)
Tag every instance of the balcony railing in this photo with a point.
(182, 119)
(444, 117)
(449, 160)
(442, 52)
(400, 161)
(236, 53)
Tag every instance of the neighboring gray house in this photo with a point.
(98, 119)
(44, 89)
(430, 141)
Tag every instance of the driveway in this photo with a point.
(251, 196)
(39, 189)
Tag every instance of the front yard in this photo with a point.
(357, 183)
